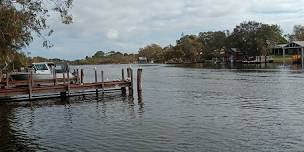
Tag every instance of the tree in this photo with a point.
(213, 42)
(298, 33)
(152, 52)
(99, 54)
(255, 38)
(21, 19)
(190, 47)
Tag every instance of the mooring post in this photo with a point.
(54, 77)
(302, 57)
(30, 80)
(130, 77)
(81, 76)
(77, 78)
(139, 83)
(63, 77)
(63, 95)
(102, 82)
(68, 77)
(123, 89)
(96, 80)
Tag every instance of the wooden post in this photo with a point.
(77, 79)
(102, 80)
(54, 77)
(139, 85)
(139, 80)
(30, 80)
(63, 95)
(96, 80)
(68, 77)
(130, 75)
(123, 89)
(81, 76)
(302, 57)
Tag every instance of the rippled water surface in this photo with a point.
(186, 108)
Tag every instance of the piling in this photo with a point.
(123, 89)
(77, 79)
(30, 80)
(63, 95)
(54, 77)
(68, 84)
(96, 80)
(102, 82)
(81, 76)
(130, 77)
(139, 84)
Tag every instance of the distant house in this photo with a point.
(233, 55)
(291, 48)
(142, 60)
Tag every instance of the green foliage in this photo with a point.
(213, 42)
(111, 57)
(298, 33)
(98, 54)
(21, 19)
(254, 38)
(152, 52)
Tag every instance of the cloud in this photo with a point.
(112, 34)
(127, 25)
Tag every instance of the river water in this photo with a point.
(186, 108)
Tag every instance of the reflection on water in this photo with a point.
(186, 108)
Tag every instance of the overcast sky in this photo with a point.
(127, 25)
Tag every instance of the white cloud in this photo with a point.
(130, 24)
(112, 34)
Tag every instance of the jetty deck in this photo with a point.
(65, 87)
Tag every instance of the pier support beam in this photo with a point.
(30, 84)
(130, 77)
(81, 76)
(95, 71)
(139, 84)
(302, 57)
(102, 82)
(123, 89)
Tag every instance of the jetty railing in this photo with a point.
(67, 86)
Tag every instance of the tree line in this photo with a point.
(250, 37)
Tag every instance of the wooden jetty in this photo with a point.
(31, 89)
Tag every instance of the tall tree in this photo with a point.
(21, 19)
(298, 33)
(190, 46)
(213, 42)
(254, 38)
(152, 52)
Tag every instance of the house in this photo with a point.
(142, 60)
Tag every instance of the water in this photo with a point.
(186, 108)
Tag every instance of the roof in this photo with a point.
(292, 44)
(301, 43)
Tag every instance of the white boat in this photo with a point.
(43, 71)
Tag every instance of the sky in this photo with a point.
(127, 25)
